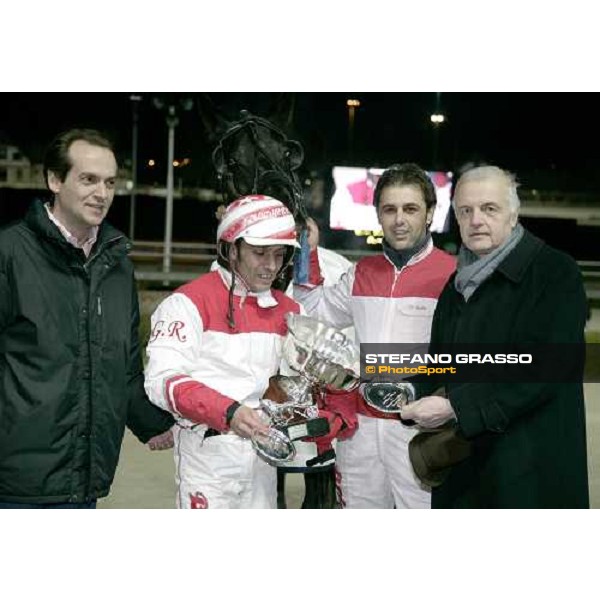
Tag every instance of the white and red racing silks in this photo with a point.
(385, 304)
(197, 364)
(198, 500)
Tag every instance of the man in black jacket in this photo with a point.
(528, 440)
(71, 374)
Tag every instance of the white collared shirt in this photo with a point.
(86, 245)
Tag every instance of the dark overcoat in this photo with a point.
(529, 439)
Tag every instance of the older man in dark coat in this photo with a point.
(528, 444)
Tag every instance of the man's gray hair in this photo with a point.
(492, 172)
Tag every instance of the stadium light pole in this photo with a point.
(172, 122)
(135, 101)
(437, 118)
(352, 104)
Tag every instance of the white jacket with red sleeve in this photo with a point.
(198, 365)
(385, 304)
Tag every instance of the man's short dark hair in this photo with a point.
(57, 158)
(406, 174)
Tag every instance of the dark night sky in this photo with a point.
(548, 139)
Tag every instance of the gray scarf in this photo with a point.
(473, 270)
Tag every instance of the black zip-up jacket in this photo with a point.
(71, 374)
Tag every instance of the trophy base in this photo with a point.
(274, 447)
(388, 397)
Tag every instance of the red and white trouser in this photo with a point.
(222, 471)
(374, 467)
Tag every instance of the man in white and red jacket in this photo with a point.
(215, 343)
(388, 298)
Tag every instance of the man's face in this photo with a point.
(483, 214)
(257, 265)
(403, 215)
(82, 200)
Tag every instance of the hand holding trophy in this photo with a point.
(322, 356)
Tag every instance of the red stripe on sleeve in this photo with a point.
(169, 390)
(198, 402)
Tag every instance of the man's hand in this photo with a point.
(313, 233)
(429, 412)
(162, 441)
(245, 421)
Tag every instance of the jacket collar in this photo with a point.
(421, 255)
(515, 265)
(37, 219)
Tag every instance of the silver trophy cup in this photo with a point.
(321, 355)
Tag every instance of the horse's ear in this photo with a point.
(294, 153)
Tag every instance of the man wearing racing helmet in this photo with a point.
(214, 344)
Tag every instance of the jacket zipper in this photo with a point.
(397, 273)
(99, 251)
(88, 486)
